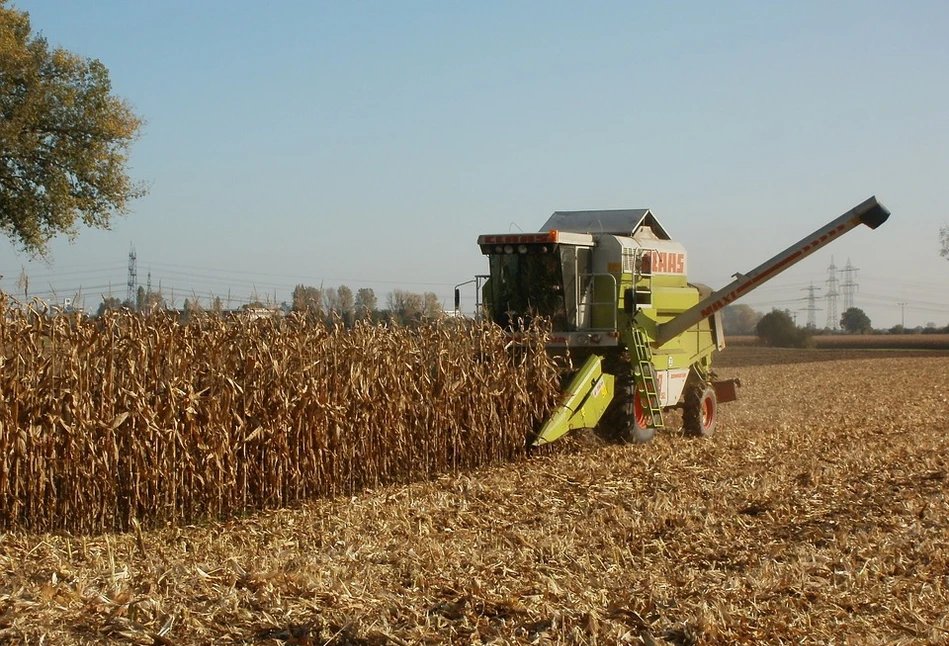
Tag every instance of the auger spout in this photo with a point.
(869, 212)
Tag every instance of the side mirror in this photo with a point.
(457, 299)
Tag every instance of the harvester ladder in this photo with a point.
(646, 378)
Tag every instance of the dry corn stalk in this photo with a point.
(139, 417)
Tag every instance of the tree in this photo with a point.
(432, 306)
(346, 303)
(740, 319)
(339, 303)
(64, 139)
(330, 302)
(109, 304)
(309, 301)
(855, 321)
(944, 242)
(405, 307)
(365, 303)
(777, 328)
(190, 310)
(149, 300)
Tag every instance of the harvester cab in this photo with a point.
(614, 287)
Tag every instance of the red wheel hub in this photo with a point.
(638, 411)
(708, 412)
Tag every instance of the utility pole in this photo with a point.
(903, 315)
(132, 284)
(849, 284)
(811, 306)
(833, 321)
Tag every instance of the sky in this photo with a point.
(370, 143)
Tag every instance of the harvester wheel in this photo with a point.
(637, 430)
(700, 412)
(626, 420)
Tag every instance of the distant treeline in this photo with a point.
(327, 304)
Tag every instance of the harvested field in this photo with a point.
(817, 514)
(862, 341)
(755, 355)
(884, 341)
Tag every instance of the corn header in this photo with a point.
(615, 288)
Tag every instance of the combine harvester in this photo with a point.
(615, 287)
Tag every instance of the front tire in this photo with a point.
(700, 412)
(637, 429)
(627, 420)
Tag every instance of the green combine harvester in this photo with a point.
(615, 287)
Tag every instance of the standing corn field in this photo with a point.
(129, 417)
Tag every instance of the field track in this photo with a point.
(817, 514)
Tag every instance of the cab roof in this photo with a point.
(617, 222)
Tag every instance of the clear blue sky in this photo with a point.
(369, 143)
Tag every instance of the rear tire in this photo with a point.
(700, 412)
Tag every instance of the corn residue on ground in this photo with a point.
(817, 514)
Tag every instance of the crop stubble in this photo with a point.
(817, 514)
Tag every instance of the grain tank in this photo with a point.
(614, 286)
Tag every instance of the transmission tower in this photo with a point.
(811, 305)
(833, 321)
(133, 277)
(848, 284)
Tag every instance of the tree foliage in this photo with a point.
(149, 300)
(855, 321)
(109, 304)
(740, 319)
(777, 328)
(346, 304)
(330, 301)
(190, 310)
(404, 306)
(365, 303)
(408, 308)
(432, 306)
(308, 300)
(338, 303)
(64, 139)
